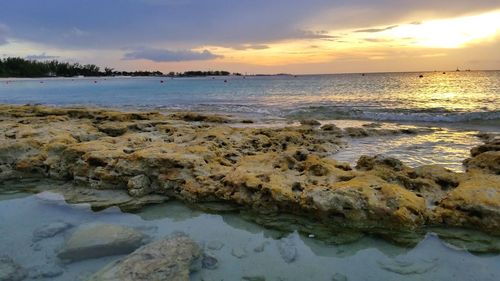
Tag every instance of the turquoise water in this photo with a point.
(438, 97)
(364, 258)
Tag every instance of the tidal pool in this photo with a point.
(243, 249)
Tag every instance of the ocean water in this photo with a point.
(437, 97)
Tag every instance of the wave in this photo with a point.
(380, 114)
(328, 112)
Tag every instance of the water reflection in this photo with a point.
(279, 247)
(446, 147)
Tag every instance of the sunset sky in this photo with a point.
(256, 36)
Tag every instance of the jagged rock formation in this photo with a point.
(198, 158)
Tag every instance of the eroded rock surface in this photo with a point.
(201, 158)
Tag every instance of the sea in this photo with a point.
(454, 107)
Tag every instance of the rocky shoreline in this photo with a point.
(199, 158)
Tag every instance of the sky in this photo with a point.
(256, 36)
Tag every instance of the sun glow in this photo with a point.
(373, 43)
(447, 33)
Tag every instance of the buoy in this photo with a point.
(225, 81)
(95, 81)
(161, 81)
(41, 82)
(421, 76)
(444, 72)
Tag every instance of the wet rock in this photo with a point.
(139, 186)
(45, 271)
(100, 240)
(469, 240)
(331, 128)
(50, 230)
(196, 117)
(239, 252)
(487, 161)
(310, 122)
(408, 267)
(101, 199)
(372, 125)
(209, 262)
(10, 270)
(287, 249)
(473, 203)
(260, 248)
(491, 145)
(168, 259)
(356, 132)
(253, 278)
(113, 129)
(369, 162)
(339, 277)
(215, 245)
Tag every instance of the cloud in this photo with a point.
(250, 47)
(42, 56)
(162, 55)
(374, 30)
(106, 24)
(3, 34)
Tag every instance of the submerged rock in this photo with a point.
(100, 240)
(239, 252)
(215, 245)
(253, 278)
(310, 122)
(50, 230)
(168, 259)
(408, 267)
(287, 249)
(10, 270)
(209, 262)
(339, 277)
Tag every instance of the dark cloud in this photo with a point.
(161, 55)
(3, 34)
(112, 24)
(42, 56)
(374, 30)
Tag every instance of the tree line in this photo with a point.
(23, 68)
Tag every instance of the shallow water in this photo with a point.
(443, 146)
(365, 259)
(451, 97)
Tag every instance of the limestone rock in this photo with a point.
(168, 259)
(113, 129)
(10, 270)
(50, 230)
(200, 158)
(100, 240)
(139, 186)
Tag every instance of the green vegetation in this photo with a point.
(19, 67)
